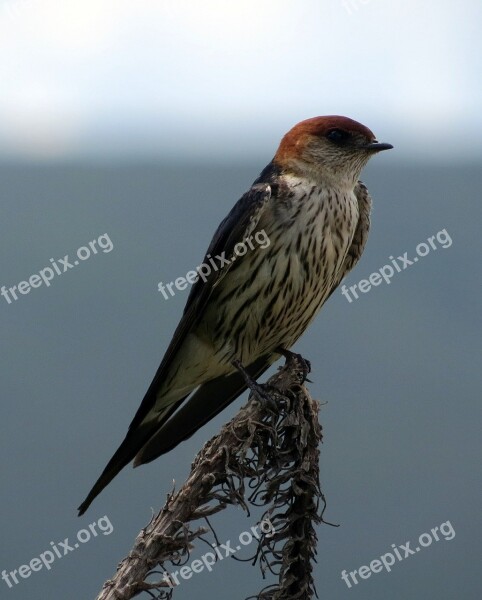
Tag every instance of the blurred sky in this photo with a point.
(218, 79)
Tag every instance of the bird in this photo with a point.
(315, 212)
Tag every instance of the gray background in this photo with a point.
(146, 121)
(399, 370)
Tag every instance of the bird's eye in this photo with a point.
(338, 135)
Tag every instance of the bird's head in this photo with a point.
(331, 148)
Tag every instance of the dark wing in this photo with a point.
(236, 227)
(361, 233)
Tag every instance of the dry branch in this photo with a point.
(267, 455)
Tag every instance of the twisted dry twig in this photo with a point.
(267, 455)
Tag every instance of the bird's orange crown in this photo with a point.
(294, 141)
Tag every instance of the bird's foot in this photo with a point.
(303, 363)
(262, 392)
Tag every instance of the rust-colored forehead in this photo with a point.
(321, 126)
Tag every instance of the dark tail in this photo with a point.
(137, 435)
(147, 441)
(132, 443)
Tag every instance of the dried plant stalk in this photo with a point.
(267, 455)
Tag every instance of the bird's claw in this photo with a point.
(262, 392)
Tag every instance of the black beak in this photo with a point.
(378, 146)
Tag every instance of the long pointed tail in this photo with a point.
(137, 436)
(132, 443)
(146, 440)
